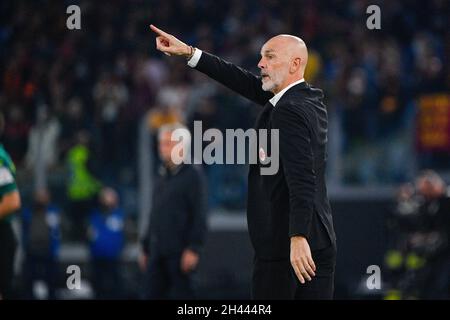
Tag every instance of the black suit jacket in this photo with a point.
(293, 201)
(178, 214)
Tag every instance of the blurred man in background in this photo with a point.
(9, 203)
(418, 258)
(177, 229)
(41, 241)
(431, 239)
(106, 237)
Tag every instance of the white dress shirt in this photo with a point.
(192, 62)
(274, 100)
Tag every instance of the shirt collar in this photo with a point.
(166, 171)
(274, 100)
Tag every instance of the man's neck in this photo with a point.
(274, 100)
(286, 84)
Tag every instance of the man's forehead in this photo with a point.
(268, 48)
(283, 43)
(273, 45)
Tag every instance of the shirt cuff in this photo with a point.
(192, 62)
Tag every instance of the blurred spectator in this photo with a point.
(16, 133)
(82, 185)
(434, 236)
(177, 228)
(106, 237)
(418, 259)
(110, 95)
(41, 242)
(43, 140)
(73, 121)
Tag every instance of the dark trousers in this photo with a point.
(7, 253)
(166, 280)
(437, 278)
(276, 279)
(38, 267)
(79, 212)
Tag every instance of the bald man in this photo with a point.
(288, 213)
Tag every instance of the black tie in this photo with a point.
(263, 117)
(262, 122)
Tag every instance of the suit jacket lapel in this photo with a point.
(261, 121)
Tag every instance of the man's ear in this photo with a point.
(295, 65)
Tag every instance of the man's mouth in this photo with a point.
(264, 76)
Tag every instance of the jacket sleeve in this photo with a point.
(198, 207)
(297, 157)
(233, 77)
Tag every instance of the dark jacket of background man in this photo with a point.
(178, 213)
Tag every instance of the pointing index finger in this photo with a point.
(158, 31)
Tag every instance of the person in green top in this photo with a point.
(82, 185)
(9, 203)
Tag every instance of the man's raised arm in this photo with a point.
(231, 76)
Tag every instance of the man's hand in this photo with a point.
(170, 45)
(143, 261)
(189, 260)
(301, 259)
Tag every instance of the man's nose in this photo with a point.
(261, 64)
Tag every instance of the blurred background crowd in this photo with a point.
(82, 106)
